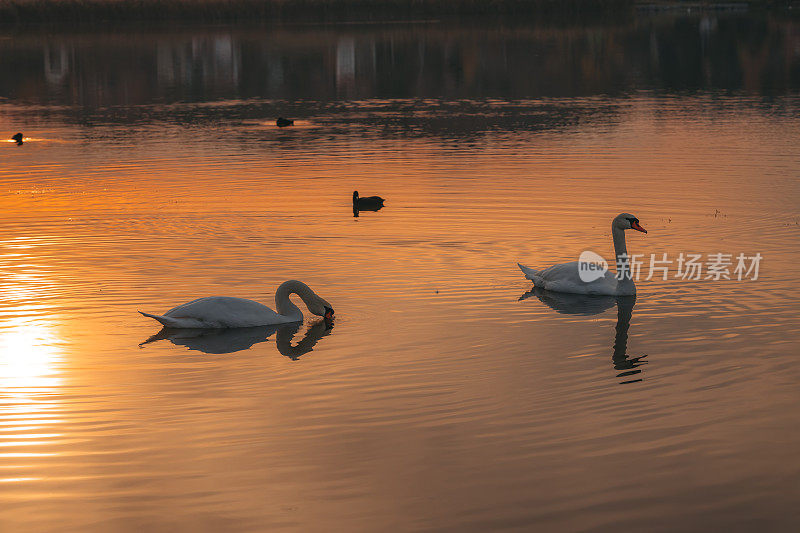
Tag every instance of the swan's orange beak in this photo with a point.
(635, 225)
(328, 313)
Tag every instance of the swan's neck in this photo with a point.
(285, 305)
(621, 255)
(620, 248)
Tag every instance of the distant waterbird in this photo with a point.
(17, 138)
(220, 312)
(283, 122)
(367, 203)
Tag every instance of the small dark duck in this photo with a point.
(17, 138)
(283, 122)
(367, 203)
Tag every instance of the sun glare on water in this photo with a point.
(29, 357)
(30, 372)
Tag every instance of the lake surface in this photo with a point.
(446, 396)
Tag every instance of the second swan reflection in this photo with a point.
(585, 305)
(221, 341)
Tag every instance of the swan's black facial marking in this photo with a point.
(634, 222)
(328, 313)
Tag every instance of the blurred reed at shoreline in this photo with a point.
(306, 11)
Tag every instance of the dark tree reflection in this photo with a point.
(756, 54)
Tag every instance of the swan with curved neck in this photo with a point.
(228, 312)
(565, 277)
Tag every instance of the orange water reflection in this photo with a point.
(438, 398)
(31, 360)
(30, 375)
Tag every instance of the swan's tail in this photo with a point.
(529, 272)
(165, 320)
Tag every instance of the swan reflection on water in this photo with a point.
(220, 341)
(585, 305)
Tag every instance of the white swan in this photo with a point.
(565, 277)
(227, 312)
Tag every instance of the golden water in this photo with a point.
(441, 399)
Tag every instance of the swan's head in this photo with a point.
(321, 307)
(625, 221)
(355, 196)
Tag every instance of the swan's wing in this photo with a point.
(565, 277)
(173, 322)
(224, 312)
(554, 278)
(560, 278)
